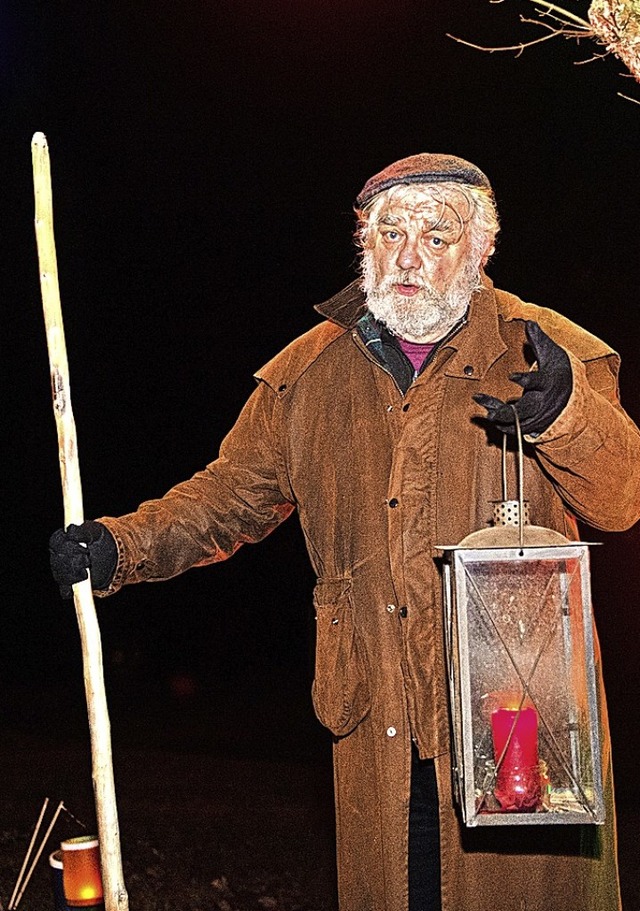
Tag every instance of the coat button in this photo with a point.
(468, 370)
(403, 612)
(393, 503)
(391, 608)
(406, 406)
(389, 407)
(391, 732)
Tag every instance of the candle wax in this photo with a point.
(515, 745)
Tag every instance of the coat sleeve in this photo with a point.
(237, 499)
(592, 450)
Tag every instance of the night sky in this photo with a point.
(205, 159)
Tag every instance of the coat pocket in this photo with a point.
(341, 696)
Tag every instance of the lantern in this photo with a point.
(81, 874)
(522, 681)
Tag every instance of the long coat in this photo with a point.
(379, 479)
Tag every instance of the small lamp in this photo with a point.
(81, 874)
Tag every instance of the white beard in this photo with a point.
(426, 316)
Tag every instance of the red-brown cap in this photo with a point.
(426, 167)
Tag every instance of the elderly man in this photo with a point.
(380, 426)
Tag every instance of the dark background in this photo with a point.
(205, 159)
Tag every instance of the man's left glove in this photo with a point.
(546, 390)
(80, 548)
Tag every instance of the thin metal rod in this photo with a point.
(37, 857)
(505, 492)
(28, 854)
(520, 475)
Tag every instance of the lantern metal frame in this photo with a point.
(580, 798)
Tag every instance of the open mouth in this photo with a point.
(407, 290)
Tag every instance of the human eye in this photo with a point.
(391, 235)
(436, 242)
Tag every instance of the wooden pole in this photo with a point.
(115, 894)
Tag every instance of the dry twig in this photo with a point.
(613, 24)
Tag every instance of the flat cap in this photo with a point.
(426, 167)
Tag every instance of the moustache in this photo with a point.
(403, 278)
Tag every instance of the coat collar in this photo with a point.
(346, 307)
(476, 346)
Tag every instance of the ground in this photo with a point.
(205, 826)
(214, 815)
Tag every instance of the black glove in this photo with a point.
(78, 549)
(546, 390)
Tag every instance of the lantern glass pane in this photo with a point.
(528, 715)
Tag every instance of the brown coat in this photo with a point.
(379, 479)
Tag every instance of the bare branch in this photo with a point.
(551, 7)
(551, 28)
(612, 24)
(577, 34)
(593, 58)
(628, 98)
(564, 23)
(514, 47)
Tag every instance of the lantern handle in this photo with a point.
(505, 494)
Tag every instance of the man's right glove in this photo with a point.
(78, 549)
(546, 390)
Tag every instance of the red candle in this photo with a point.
(515, 746)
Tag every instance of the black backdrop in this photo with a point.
(205, 158)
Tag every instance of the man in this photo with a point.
(370, 426)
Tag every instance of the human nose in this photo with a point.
(408, 255)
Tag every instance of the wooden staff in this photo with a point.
(115, 894)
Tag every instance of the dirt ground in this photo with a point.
(214, 816)
(205, 825)
(197, 833)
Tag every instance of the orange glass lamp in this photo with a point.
(81, 873)
(522, 680)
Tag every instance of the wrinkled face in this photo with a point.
(420, 265)
(409, 249)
